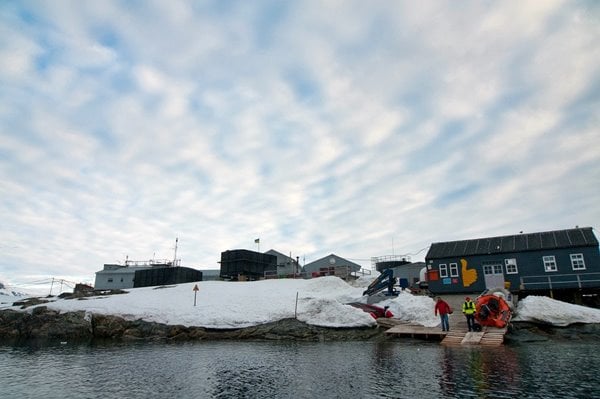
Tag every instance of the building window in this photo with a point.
(443, 270)
(577, 262)
(488, 269)
(453, 270)
(110, 280)
(511, 266)
(549, 263)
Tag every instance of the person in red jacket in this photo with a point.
(443, 309)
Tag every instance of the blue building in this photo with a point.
(544, 262)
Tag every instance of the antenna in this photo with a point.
(175, 256)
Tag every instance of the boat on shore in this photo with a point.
(492, 310)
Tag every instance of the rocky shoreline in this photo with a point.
(49, 325)
(45, 324)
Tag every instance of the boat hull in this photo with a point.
(492, 310)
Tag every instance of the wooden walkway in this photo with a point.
(489, 336)
(403, 329)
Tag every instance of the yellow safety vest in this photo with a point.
(468, 307)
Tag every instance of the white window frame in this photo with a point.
(577, 262)
(511, 266)
(443, 270)
(453, 270)
(550, 263)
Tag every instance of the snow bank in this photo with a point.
(540, 309)
(412, 308)
(222, 305)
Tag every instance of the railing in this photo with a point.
(361, 272)
(153, 262)
(272, 274)
(339, 271)
(553, 281)
(388, 258)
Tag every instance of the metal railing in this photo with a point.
(559, 280)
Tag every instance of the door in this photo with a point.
(494, 275)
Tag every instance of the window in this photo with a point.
(577, 262)
(488, 269)
(110, 280)
(511, 266)
(549, 263)
(453, 270)
(443, 270)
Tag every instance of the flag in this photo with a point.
(257, 241)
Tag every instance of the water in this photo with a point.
(242, 369)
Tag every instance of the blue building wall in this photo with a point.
(531, 273)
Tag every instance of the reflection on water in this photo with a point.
(392, 369)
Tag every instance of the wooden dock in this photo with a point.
(489, 336)
(404, 329)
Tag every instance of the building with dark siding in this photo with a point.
(544, 262)
(242, 264)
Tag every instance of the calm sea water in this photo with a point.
(221, 369)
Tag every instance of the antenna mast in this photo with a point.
(175, 256)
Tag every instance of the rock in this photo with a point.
(531, 332)
(25, 303)
(42, 323)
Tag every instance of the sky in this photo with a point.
(321, 301)
(357, 128)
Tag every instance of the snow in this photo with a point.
(321, 301)
(541, 309)
(8, 296)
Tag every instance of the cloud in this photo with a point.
(318, 127)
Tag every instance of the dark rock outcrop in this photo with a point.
(43, 323)
(521, 332)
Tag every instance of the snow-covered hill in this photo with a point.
(8, 295)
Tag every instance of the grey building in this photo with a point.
(407, 273)
(147, 274)
(331, 265)
(210, 274)
(114, 277)
(540, 262)
(286, 265)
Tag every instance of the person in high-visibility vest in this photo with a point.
(468, 309)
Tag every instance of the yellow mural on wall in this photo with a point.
(469, 276)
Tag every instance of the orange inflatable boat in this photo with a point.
(492, 310)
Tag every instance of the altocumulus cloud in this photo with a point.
(317, 126)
